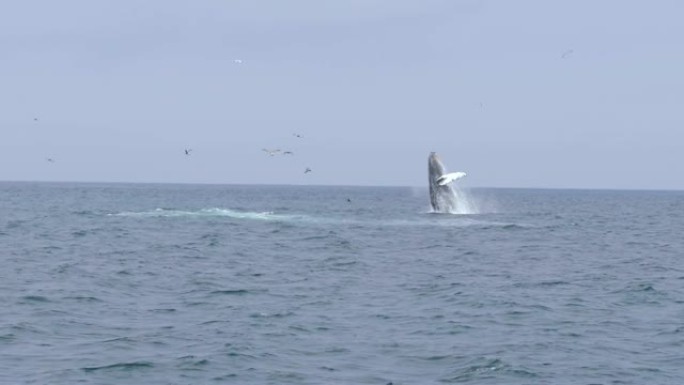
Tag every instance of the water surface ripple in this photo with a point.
(182, 284)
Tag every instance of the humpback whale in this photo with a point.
(442, 196)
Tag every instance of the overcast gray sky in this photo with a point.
(525, 93)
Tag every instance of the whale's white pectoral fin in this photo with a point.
(458, 175)
(450, 177)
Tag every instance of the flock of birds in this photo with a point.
(188, 151)
(277, 151)
(274, 152)
(270, 152)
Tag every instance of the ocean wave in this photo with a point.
(125, 366)
(488, 368)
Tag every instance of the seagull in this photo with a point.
(288, 153)
(35, 119)
(297, 135)
(450, 177)
(308, 170)
(567, 53)
(50, 160)
(348, 200)
(237, 61)
(187, 151)
(272, 152)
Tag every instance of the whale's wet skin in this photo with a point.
(443, 197)
(198, 284)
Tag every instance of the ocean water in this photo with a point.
(193, 284)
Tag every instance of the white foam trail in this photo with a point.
(465, 207)
(211, 212)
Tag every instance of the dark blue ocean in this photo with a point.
(209, 284)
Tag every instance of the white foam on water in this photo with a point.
(465, 206)
(209, 212)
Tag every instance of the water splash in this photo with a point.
(463, 202)
(457, 201)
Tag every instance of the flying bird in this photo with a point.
(567, 53)
(297, 135)
(187, 151)
(308, 170)
(288, 153)
(50, 160)
(450, 177)
(237, 61)
(271, 152)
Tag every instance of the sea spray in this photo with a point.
(463, 202)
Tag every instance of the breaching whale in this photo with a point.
(442, 196)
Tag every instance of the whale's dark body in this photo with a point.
(442, 198)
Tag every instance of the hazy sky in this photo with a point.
(575, 93)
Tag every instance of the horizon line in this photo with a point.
(338, 185)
